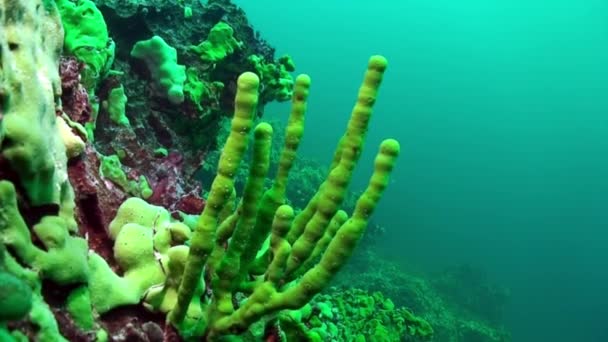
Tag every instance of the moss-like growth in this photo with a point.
(352, 314)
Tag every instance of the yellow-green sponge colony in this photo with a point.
(303, 251)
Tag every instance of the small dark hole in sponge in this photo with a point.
(7, 142)
(13, 46)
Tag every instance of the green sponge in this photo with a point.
(219, 44)
(116, 106)
(144, 238)
(275, 77)
(86, 37)
(161, 60)
(15, 297)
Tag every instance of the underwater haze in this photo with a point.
(501, 108)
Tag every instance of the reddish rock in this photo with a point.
(97, 201)
(74, 98)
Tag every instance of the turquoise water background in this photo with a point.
(501, 108)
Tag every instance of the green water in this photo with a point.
(502, 111)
